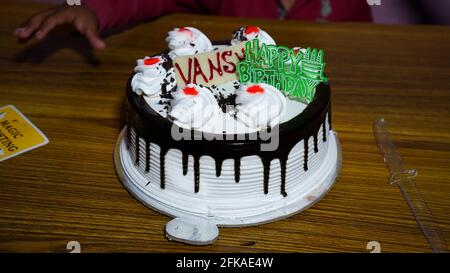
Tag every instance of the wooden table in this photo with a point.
(68, 190)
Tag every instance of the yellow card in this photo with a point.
(17, 133)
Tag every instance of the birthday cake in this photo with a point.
(236, 132)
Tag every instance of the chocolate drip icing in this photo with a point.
(218, 167)
(185, 162)
(147, 155)
(283, 162)
(305, 158)
(137, 150)
(324, 132)
(316, 149)
(266, 173)
(162, 166)
(148, 124)
(237, 169)
(197, 173)
(329, 120)
(128, 135)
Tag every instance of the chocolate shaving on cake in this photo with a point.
(223, 101)
(167, 62)
(239, 34)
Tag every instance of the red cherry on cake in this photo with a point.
(254, 89)
(151, 61)
(251, 30)
(185, 30)
(190, 91)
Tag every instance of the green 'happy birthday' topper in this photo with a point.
(297, 74)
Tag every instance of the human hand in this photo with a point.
(82, 18)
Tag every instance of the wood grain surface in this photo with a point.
(68, 189)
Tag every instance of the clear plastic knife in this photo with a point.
(405, 180)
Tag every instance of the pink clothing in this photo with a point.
(116, 13)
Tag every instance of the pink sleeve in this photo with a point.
(116, 13)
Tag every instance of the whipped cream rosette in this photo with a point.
(187, 41)
(260, 105)
(249, 33)
(297, 50)
(195, 107)
(153, 76)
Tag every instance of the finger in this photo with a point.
(91, 33)
(94, 38)
(50, 23)
(31, 25)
